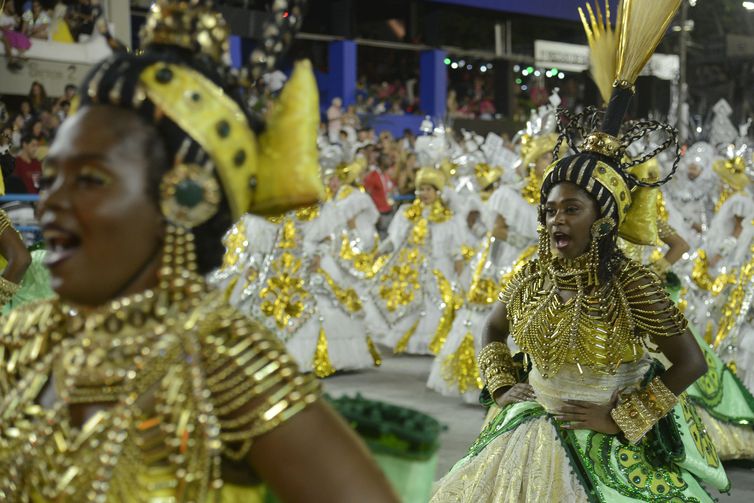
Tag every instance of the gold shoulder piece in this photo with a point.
(254, 384)
(652, 311)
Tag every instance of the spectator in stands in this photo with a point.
(37, 97)
(396, 109)
(13, 37)
(350, 119)
(486, 108)
(62, 105)
(36, 21)
(26, 110)
(409, 140)
(407, 175)
(334, 119)
(17, 130)
(81, 17)
(28, 168)
(379, 185)
(6, 140)
(59, 29)
(37, 131)
(50, 123)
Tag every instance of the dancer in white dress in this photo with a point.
(692, 193)
(415, 292)
(275, 273)
(512, 221)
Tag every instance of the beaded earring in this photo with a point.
(178, 274)
(600, 228)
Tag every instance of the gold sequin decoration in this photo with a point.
(459, 369)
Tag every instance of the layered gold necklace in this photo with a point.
(600, 327)
(180, 378)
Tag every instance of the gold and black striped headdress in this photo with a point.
(600, 165)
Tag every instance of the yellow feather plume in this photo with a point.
(643, 24)
(603, 45)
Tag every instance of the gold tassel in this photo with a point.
(376, 356)
(603, 42)
(643, 23)
(460, 368)
(321, 364)
(403, 343)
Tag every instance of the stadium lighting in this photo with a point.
(454, 65)
(748, 5)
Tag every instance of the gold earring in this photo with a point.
(600, 228)
(178, 274)
(189, 194)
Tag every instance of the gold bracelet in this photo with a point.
(7, 290)
(638, 412)
(5, 222)
(496, 366)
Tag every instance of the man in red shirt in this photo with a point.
(380, 186)
(27, 167)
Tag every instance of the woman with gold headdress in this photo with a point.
(511, 221)
(414, 291)
(586, 415)
(139, 382)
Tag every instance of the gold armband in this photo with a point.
(7, 290)
(638, 412)
(496, 366)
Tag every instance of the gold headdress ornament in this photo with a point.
(267, 174)
(430, 176)
(733, 172)
(534, 147)
(192, 25)
(597, 165)
(349, 173)
(603, 42)
(486, 175)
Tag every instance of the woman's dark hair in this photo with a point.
(161, 148)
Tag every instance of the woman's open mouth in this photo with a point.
(561, 239)
(61, 245)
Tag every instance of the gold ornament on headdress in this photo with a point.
(349, 173)
(732, 172)
(486, 175)
(191, 24)
(603, 42)
(532, 148)
(643, 23)
(269, 175)
(640, 226)
(430, 176)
